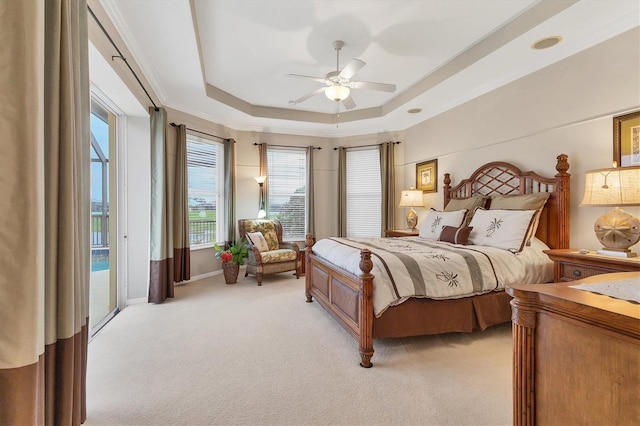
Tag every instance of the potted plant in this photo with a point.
(232, 257)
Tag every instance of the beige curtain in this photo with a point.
(44, 211)
(230, 188)
(311, 220)
(181, 249)
(342, 192)
(161, 272)
(388, 179)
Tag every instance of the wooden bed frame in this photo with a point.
(349, 298)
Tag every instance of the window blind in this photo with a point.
(287, 169)
(205, 176)
(364, 193)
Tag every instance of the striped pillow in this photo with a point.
(454, 235)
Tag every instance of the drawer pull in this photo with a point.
(577, 273)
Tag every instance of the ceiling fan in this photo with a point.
(338, 83)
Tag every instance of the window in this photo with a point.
(364, 193)
(288, 190)
(205, 175)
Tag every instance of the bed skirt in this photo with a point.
(416, 317)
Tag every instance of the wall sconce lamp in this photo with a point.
(411, 198)
(617, 230)
(261, 212)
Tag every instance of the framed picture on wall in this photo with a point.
(626, 139)
(427, 176)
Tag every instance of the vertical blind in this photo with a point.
(205, 169)
(288, 190)
(364, 193)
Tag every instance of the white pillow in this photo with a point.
(257, 239)
(505, 229)
(431, 227)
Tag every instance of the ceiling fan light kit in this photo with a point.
(339, 82)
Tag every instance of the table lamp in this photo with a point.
(411, 198)
(617, 230)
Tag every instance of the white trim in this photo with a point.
(136, 301)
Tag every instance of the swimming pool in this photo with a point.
(99, 259)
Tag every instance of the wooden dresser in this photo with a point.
(570, 264)
(576, 354)
(401, 233)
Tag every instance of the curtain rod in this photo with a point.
(285, 146)
(363, 146)
(204, 133)
(120, 56)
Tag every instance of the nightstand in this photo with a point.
(569, 264)
(401, 233)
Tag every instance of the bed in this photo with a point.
(349, 295)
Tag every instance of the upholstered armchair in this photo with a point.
(268, 254)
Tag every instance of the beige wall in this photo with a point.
(565, 108)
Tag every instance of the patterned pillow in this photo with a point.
(470, 204)
(432, 224)
(535, 201)
(455, 235)
(257, 239)
(505, 229)
(268, 230)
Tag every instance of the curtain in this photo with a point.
(388, 180)
(311, 219)
(342, 192)
(181, 249)
(230, 188)
(162, 197)
(44, 211)
(264, 171)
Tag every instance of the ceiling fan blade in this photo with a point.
(308, 77)
(349, 103)
(352, 68)
(383, 87)
(307, 96)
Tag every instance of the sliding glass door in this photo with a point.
(103, 292)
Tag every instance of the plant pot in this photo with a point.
(230, 271)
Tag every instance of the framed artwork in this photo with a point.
(626, 139)
(427, 176)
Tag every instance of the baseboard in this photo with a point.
(136, 301)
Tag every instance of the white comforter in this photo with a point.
(434, 269)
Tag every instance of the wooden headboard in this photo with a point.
(506, 179)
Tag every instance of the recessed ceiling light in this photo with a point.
(546, 42)
(414, 110)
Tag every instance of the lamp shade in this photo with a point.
(411, 198)
(337, 93)
(260, 179)
(615, 187)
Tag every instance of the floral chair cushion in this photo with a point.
(268, 230)
(275, 256)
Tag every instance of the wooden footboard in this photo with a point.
(347, 297)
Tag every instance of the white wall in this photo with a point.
(138, 151)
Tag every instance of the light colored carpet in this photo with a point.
(243, 354)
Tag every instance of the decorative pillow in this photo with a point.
(455, 235)
(257, 239)
(268, 229)
(470, 204)
(505, 229)
(435, 220)
(535, 201)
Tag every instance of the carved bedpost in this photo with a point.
(307, 267)
(366, 309)
(447, 189)
(563, 190)
(524, 360)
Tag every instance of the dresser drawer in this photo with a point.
(574, 271)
